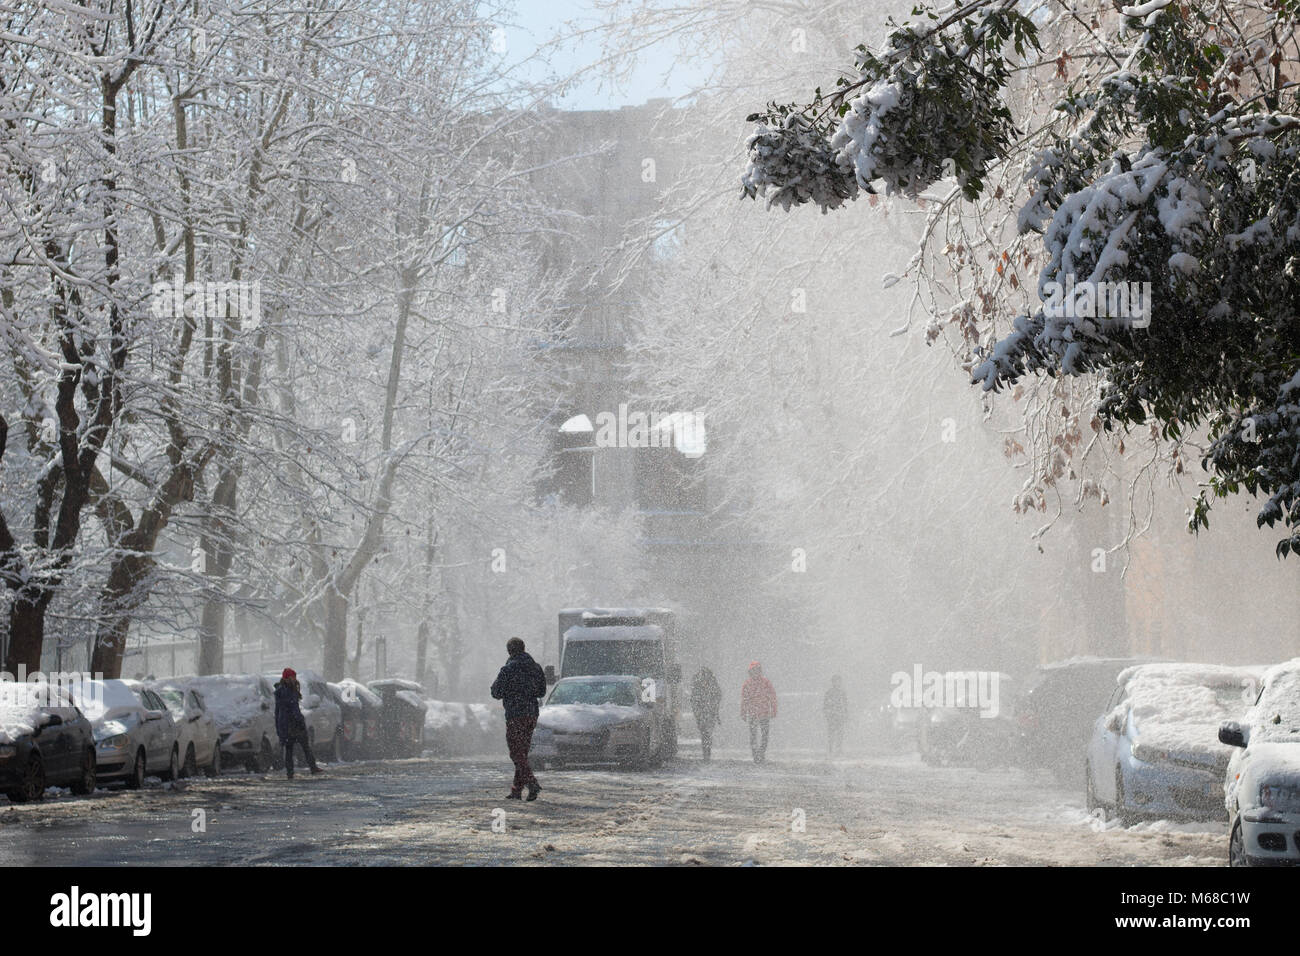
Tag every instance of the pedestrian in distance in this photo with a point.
(290, 725)
(706, 703)
(758, 706)
(518, 686)
(835, 708)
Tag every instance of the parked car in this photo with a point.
(602, 719)
(971, 731)
(1056, 713)
(135, 735)
(1262, 783)
(361, 709)
(1156, 752)
(323, 715)
(243, 708)
(196, 731)
(44, 741)
(401, 722)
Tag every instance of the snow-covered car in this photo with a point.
(601, 719)
(45, 741)
(243, 708)
(1262, 783)
(322, 713)
(401, 721)
(360, 710)
(1156, 750)
(196, 731)
(135, 735)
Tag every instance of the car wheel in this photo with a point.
(213, 769)
(1237, 848)
(190, 767)
(173, 770)
(32, 786)
(136, 780)
(336, 751)
(85, 783)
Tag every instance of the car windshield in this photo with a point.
(174, 700)
(96, 698)
(594, 692)
(591, 658)
(1277, 715)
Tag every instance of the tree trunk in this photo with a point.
(26, 631)
(336, 635)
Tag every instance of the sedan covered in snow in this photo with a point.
(243, 707)
(44, 741)
(1262, 786)
(1156, 753)
(196, 732)
(604, 719)
(135, 735)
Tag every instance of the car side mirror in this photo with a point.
(1230, 733)
(51, 720)
(153, 715)
(550, 674)
(1115, 722)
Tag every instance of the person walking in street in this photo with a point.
(835, 708)
(518, 685)
(758, 706)
(290, 725)
(706, 701)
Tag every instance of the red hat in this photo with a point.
(289, 674)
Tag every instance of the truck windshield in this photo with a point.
(591, 658)
(594, 692)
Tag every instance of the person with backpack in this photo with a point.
(518, 686)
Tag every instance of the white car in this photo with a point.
(135, 735)
(196, 732)
(1262, 786)
(601, 719)
(243, 708)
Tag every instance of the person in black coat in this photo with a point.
(290, 725)
(706, 702)
(518, 685)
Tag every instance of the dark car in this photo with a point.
(1055, 716)
(361, 709)
(401, 723)
(44, 741)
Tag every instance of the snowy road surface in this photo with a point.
(889, 810)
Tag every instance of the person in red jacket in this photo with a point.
(758, 706)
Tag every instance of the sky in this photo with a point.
(536, 21)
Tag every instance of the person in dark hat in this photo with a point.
(518, 685)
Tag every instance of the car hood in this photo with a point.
(584, 718)
(109, 727)
(1276, 763)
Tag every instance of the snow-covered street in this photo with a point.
(865, 810)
